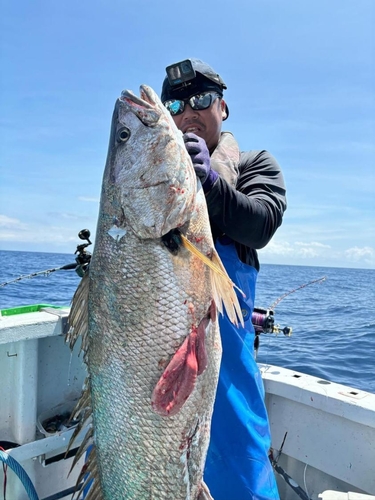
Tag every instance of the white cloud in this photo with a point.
(10, 228)
(66, 215)
(10, 223)
(30, 234)
(314, 253)
(365, 254)
(86, 198)
(314, 244)
(16, 235)
(297, 249)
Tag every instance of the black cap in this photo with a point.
(205, 79)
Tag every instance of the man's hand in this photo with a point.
(200, 156)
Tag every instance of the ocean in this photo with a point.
(333, 322)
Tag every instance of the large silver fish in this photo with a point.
(147, 313)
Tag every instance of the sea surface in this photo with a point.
(333, 322)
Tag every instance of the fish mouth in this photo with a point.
(145, 107)
(144, 100)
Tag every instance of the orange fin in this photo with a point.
(223, 286)
(224, 294)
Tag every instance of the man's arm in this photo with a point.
(251, 212)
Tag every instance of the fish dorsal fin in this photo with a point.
(78, 316)
(222, 285)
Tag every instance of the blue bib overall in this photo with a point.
(237, 466)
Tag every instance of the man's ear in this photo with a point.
(223, 107)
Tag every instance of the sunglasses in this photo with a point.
(196, 102)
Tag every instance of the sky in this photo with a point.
(301, 84)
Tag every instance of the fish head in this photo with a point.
(148, 172)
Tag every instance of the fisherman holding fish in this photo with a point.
(181, 214)
(245, 195)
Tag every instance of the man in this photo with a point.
(245, 196)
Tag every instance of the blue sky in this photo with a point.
(301, 84)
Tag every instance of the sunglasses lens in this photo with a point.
(175, 106)
(198, 101)
(202, 101)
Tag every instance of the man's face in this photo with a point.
(205, 123)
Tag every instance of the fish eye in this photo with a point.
(122, 134)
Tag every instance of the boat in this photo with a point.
(323, 433)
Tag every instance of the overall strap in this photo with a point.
(226, 157)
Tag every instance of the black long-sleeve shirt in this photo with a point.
(251, 212)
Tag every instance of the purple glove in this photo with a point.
(200, 156)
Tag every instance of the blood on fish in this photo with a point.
(179, 378)
(198, 240)
(187, 441)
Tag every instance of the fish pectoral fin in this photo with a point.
(223, 286)
(179, 378)
(224, 293)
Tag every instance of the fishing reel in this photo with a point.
(263, 321)
(83, 258)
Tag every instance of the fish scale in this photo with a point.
(134, 364)
(148, 317)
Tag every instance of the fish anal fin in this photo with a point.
(179, 378)
(204, 493)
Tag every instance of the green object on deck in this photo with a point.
(27, 309)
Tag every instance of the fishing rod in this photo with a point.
(80, 265)
(263, 319)
(46, 272)
(277, 301)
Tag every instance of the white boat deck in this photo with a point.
(330, 432)
(328, 429)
